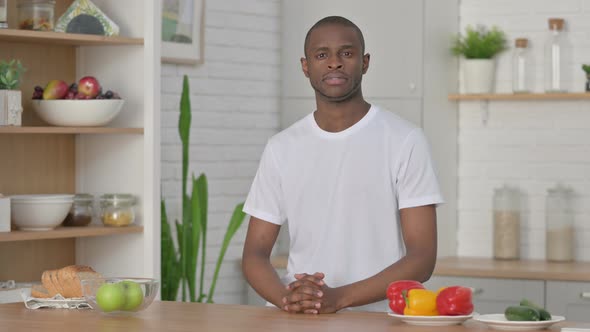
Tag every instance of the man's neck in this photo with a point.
(336, 117)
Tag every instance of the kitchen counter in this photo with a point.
(180, 316)
(491, 268)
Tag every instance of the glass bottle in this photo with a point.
(520, 66)
(506, 223)
(3, 21)
(117, 209)
(554, 55)
(559, 225)
(81, 212)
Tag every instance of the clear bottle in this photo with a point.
(554, 57)
(506, 223)
(559, 220)
(117, 209)
(81, 212)
(520, 67)
(36, 14)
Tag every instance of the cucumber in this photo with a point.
(522, 313)
(544, 314)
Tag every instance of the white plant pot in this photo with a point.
(11, 108)
(479, 75)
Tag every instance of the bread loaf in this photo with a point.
(64, 281)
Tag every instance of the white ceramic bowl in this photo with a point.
(78, 113)
(39, 212)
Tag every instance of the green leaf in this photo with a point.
(479, 43)
(234, 224)
(202, 194)
(195, 239)
(182, 258)
(169, 266)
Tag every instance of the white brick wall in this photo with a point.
(235, 109)
(530, 144)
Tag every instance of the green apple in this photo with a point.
(133, 295)
(110, 297)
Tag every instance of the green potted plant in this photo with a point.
(479, 46)
(10, 98)
(179, 262)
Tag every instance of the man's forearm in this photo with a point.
(264, 279)
(418, 267)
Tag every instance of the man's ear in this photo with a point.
(366, 59)
(304, 67)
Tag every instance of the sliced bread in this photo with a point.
(39, 291)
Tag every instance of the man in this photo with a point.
(355, 184)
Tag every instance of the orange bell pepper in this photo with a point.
(420, 302)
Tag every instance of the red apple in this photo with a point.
(88, 86)
(55, 89)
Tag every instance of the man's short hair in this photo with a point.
(338, 20)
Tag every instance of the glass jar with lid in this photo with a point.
(506, 223)
(559, 224)
(81, 212)
(36, 14)
(117, 209)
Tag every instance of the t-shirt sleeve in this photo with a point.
(264, 200)
(417, 183)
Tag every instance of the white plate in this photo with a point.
(431, 320)
(499, 322)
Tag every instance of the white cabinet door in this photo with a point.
(393, 32)
(494, 295)
(570, 299)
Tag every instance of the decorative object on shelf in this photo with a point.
(4, 214)
(521, 80)
(559, 218)
(179, 267)
(586, 69)
(3, 14)
(36, 15)
(479, 46)
(506, 223)
(182, 31)
(11, 108)
(554, 57)
(81, 212)
(85, 17)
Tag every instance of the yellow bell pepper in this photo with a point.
(420, 302)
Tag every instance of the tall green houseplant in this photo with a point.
(179, 263)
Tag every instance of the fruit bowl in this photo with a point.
(119, 295)
(78, 113)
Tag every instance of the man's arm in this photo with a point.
(419, 234)
(256, 266)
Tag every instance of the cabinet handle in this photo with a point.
(412, 87)
(476, 291)
(585, 295)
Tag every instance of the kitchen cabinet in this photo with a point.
(569, 299)
(121, 157)
(492, 295)
(411, 72)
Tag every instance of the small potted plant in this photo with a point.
(586, 69)
(479, 46)
(10, 98)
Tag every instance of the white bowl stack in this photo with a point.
(39, 212)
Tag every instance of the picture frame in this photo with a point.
(183, 31)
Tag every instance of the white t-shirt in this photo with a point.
(341, 193)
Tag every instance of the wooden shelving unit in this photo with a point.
(58, 38)
(70, 130)
(521, 96)
(68, 232)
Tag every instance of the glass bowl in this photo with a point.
(119, 295)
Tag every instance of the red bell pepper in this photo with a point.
(397, 302)
(454, 301)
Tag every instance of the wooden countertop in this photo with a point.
(180, 316)
(492, 268)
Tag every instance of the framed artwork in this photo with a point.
(182, 31)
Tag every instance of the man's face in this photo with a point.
(334, 62)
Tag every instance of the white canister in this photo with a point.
(4, 214)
